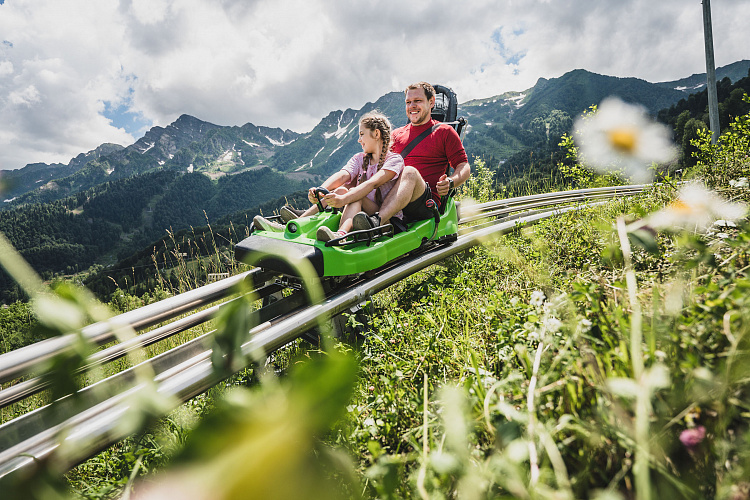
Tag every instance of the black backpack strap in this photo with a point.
(409, 147)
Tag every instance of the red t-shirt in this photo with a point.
(432, 156)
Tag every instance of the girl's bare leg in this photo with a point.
(310, 211)
(348, 214)
(369, 206)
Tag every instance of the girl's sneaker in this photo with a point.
(325, 234)
(288, 213)
(363, 221)
(264, 224)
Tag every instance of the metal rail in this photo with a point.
(92, 420)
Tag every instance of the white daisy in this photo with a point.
(537, 298)
(552, 325)
(620, 136)
(696, 208)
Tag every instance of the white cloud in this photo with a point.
(6, 68)
(287, 63)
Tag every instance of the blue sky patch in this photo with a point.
(121, 117)
(497, 39)
(515, 58)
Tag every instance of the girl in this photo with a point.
(369, 175)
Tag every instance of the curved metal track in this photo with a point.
(76, 428)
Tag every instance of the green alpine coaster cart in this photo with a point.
(359, 251)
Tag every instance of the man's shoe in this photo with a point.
(288, 213)
(362, 221)
(263, 224)
(325, 234)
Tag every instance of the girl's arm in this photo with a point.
(359, 192)
(338, 179)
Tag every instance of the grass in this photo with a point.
(476, 386)
(472, 326)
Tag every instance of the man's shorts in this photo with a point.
(417, 209)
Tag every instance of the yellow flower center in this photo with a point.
(623, 139)
(681, 207)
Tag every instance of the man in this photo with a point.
(425, 175)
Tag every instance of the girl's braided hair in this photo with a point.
(373, 121)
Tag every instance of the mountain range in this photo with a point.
(180, 175)
(193, 145)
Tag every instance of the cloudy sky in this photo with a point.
(77, 73)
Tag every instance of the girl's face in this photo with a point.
(369, 139)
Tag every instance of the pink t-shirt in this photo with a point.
(393, 162)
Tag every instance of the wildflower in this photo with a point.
(537, 298)
(585, 325)
(552, 324)
(695, 208)
(739, 183)
(690, 438)
(620, 135)
(724, 223)
(692, 416)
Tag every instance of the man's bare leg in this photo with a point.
(409, 187)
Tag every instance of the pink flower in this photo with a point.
(692, 437)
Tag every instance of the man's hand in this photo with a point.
(443, 185)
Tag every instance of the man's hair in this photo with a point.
(429, 91)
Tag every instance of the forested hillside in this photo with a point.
(115, 219)
(689, 115)
(159, 264)
(518, 134)
(123, 202)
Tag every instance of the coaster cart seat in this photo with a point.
(446, 108)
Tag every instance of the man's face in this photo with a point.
(418, 107)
